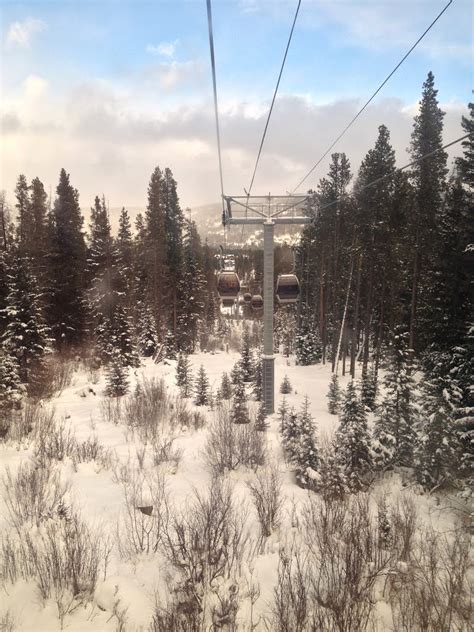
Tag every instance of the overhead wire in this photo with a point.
(392, 173)
(387, 78)
(275, 92)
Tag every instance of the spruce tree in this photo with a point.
(225, 390)
(240, 412)
(308, 342)
(124, 256)
(246, 362)
(201, 388)
(289, 435)
(353, 448)
(368, 387)
(465, 163)
(116, 376)
(147, 337)
(257, 378)
(11, 390)
(184, 377)
(261, 423)
(26, 336)
(396, 417)
(334, 395)
(236, 375)
(67, 265)
(283, 413)
(305, 459)
(285, 386)
(332, 483)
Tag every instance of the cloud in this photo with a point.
(110, 141)
(163, 49)
(172, 73)
(20, 34)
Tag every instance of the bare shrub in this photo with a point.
(345, 562)
(34, 495)
(290, 608)
(206, 544)
(184, 417)
(404, 518)
(7, 622)
(145, 512)
(164, 451)
(434, 591)
(91, 450)
(63, 557)
(266, 494)
(28, 421)
(54, 441)
(230, 445)
(147, 408)
(111, 409)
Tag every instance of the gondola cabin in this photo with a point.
(247, 297)
(228, 302)
(256, 302)
(287, 289)
(228, 285)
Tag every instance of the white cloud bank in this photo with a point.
(163, 49)
(20, 34)
(110, 145)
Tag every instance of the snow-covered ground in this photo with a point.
(97, 493)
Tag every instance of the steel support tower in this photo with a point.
(266, 211)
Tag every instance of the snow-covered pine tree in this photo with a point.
(334, 395)
(184, 377)
(201, 388)
(396, 417)
(308, 345)
(257, 378)
(289, 435)
(305, 458)
(368, 387)
(124, 249)
(26, 336)
(170, 346)
(353, 449)
(332, 483)
(240, 411)
(261, 423)
(236, 373)
(283, 413)
(116, 375)
(246, 361)
(11, 390)
(225, 390)
(285, 386)
(147, 338)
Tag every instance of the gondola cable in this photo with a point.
(371, 98)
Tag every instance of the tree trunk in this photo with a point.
(414, 297)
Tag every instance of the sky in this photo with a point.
(109, 89)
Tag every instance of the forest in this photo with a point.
(128, 396)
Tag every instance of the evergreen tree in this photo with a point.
(225, 390)
(306, 459)
(124, 256)
(116, 376)
(261, 423)
(396, 416)
(67, 313)
(246, 362)
(435, 452)
(11, 390)
(170, 346)
(258, 378)
(24, 215)
(428, 177)
(236, 375)
(146, 331)
(155, 249)
(308, 341)
(26, 336)
(283, 413)
(289, 432)
(184, 377)
(353, 448)
(240, 412)
(191, 308)
(201, 389)
(285, 386)
(368, 387)
(334, 395)
(333, 481)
